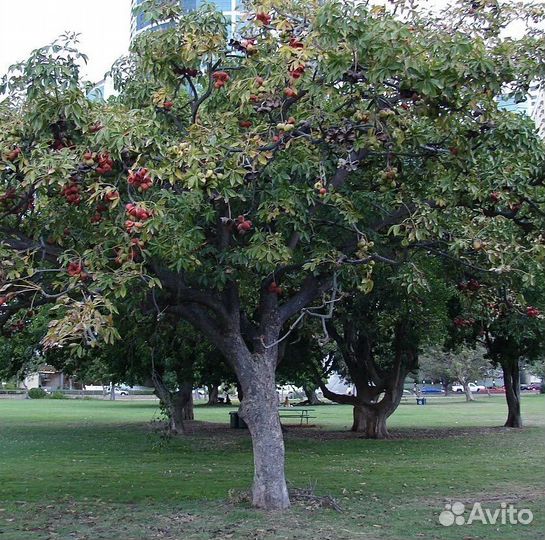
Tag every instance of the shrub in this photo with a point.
(57, 395)
(37, 393)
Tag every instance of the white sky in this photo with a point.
(104, 26)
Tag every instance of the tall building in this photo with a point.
(232, 9)
(533, 106)
(537, 109)
(102, 90)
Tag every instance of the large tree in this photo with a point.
(505, 316)
(512, 332)
(378, 337)
(256, 177)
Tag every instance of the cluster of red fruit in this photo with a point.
(139, 213)
(6, 200)
(297, 72)
(71, 193)
(140, 179)
(190, 72)
(3, 300)
(14, 154)
(59, 144)
(460, 322)
(75, 269)
(97, 217)
(245, 124)
(220, 78)
(532, 312)
(19, 326)
(495, 196)
(168, 105)
(319, 186)
(249, 46)
(471, 285)
(274, 288)
(89, 158)
(105, 163)
(243, 225)
(134, 252)
(296, 44)
(111, 196)
(264, 18)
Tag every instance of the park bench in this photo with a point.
(302, 414)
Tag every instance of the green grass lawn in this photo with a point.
(99, 470)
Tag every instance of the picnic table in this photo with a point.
(295, 412)
(303, 415)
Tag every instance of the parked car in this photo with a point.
(472, 387)
(118, 391)
(497, 390)
(530, 386)
(432, 390)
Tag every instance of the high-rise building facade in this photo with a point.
(537, 109)
(533, 106)
(232, 9)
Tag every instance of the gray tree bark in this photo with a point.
(213, 391)
(259, 409)
(511, 378)
(310, 393)
(178, 405)
(467, 390)
(371, 421)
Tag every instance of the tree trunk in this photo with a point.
(259, 409)
(180, 408)
(213, 392)
(312, 398)
(511, 378)
(467, 391)
(174, 405)
(183, 401)
(176, 416)
(371, 421)
(446, 388)
(240, 393)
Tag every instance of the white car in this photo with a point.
(472, 386)
(118, 391)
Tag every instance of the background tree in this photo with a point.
(20, 354)
(432, 366)
(378, 336)
(501, 317)
(300, 359)
(464, 365)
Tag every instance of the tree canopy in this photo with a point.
(240, 182)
